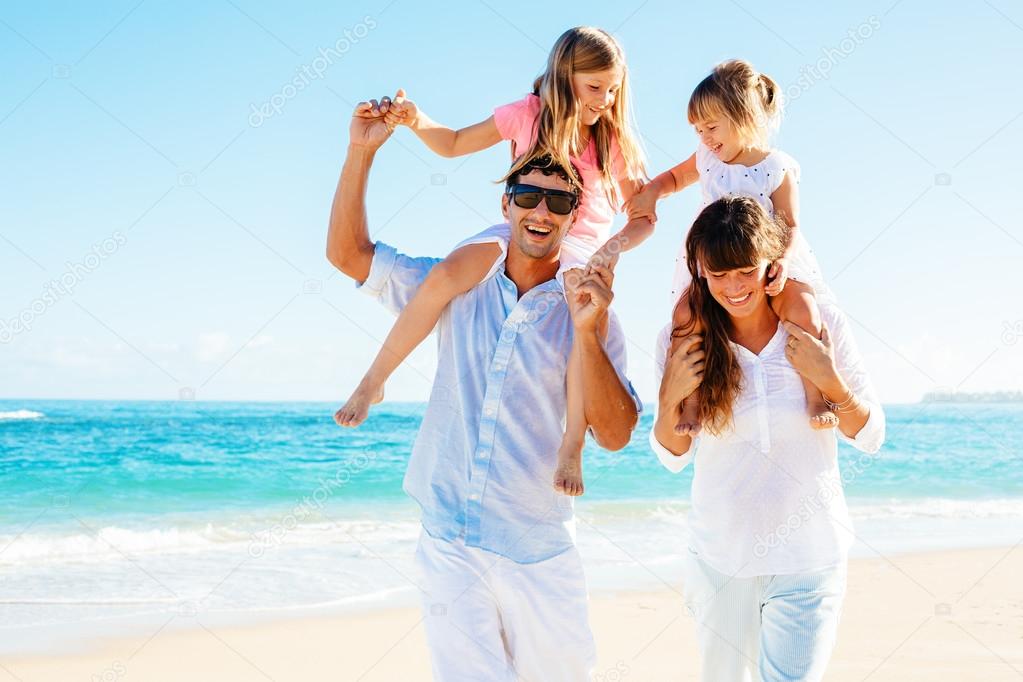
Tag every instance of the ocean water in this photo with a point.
(112, 512)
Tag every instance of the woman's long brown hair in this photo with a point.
(729, 234)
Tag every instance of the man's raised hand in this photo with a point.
(369, 127)
(589, 296)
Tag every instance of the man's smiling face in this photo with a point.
(537, 232)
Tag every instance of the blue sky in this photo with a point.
(189, 232)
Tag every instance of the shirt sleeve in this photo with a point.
(850, 366)
(394, 277)
(668, 459)
(517, 122)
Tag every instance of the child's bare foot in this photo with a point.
(355, 411)
(821, 416)
(568, 473)
(823, 420)
(689, 423)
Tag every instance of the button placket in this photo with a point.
(759, 383)
(480, 467)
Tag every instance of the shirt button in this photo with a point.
(498, 367)
(489, 412)
(474, 497)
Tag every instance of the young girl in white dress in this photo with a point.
(734, 110)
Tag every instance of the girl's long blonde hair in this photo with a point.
(736, 91)
(583, 49)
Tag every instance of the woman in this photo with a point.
(770, 532)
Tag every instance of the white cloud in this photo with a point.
(212, 345)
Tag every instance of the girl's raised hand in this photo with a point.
(642, 204)
(776, 277)
(402, 110)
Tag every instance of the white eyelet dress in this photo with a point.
(719, 179)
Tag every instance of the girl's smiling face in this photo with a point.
(595, 92)
(721, 138)
(740, 291)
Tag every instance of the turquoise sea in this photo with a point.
(112, 511)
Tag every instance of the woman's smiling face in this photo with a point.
(741, 291)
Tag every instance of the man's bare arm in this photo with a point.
(349, 247)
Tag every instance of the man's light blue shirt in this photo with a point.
(483, 462)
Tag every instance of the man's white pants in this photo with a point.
(489, 619)
(770, 628)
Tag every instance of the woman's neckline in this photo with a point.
(770, 341)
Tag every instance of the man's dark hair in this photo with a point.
(548, 166)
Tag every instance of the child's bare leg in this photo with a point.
(682, 326)
(798, 305)
(568, 472)
(460, 271)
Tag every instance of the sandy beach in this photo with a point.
(952, 615)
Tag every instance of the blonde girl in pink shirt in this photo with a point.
(578, 115)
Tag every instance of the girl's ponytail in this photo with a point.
(769, 96)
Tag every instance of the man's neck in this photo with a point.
(528, 272)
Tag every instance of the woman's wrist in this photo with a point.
(416, 124)
(840, 398)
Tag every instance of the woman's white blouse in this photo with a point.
(767, 494)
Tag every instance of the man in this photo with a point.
(504, 596)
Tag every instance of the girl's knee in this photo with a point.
(800, 308)
(683, 323)
(443, 277)
(463, 269)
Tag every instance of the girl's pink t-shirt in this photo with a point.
(518, 122)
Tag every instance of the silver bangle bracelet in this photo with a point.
(847, 405)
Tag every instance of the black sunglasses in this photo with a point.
(559, 201)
